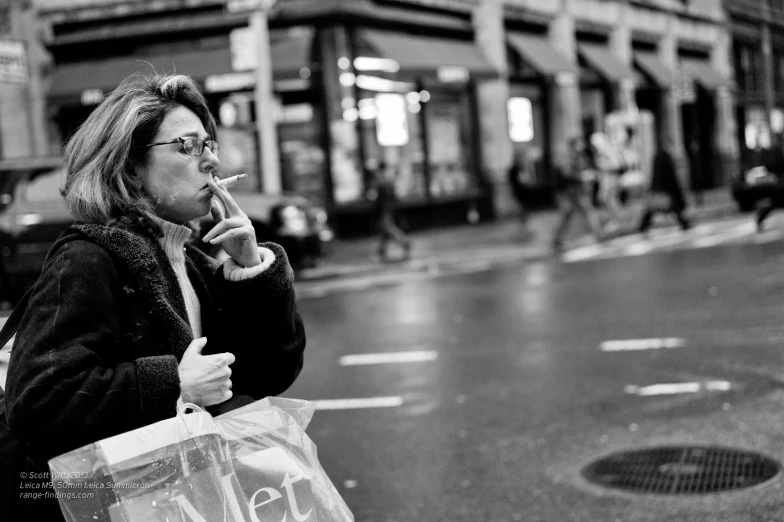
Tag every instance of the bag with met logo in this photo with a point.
(253, 464)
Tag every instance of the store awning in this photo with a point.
(289, 55)
(604, 62)
(425, 53)
(650, 64)
(72, 79)
(704, 74)
(539, 54)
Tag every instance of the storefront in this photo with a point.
(349, 96)
(699, 117)
(405, 102)
(534, 67)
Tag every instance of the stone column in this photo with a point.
(727, 161)
(492, 96)
(621, 47)
(565, 100)
(673, 120)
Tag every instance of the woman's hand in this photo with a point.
(204, 379)
(233, 230)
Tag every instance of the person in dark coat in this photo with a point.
(775, 165)
(664, 182)
(516, 173)
(128, 317)
(385, 210)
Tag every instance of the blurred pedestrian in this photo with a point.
(775, 166)
(517, 176)
(128, 318)
(572, 196)
(665, 194)
(386, 210)
(609, 165)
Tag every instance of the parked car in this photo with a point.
(33, 214)
(751, 186)
(290, 220)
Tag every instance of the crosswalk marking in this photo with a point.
(388, 358)
(631, 345)
(677, 388)
(361, 403)
(666, 240)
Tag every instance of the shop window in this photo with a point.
(448, 130)
(392, 134)
(302, 157)
(748, 66)
(526, 130)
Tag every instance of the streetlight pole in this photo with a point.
(266, 124)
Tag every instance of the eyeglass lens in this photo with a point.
(195, 146)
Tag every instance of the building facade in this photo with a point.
(446, 92)
(757, 54)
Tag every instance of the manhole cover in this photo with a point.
(684, 470)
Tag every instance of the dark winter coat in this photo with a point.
(664, 178)
(97, 351)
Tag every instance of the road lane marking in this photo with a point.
(353, 404)
(388, 358)
(677, 388)
(630, 345)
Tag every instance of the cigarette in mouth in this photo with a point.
(227, 182)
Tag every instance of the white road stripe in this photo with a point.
(353, 404)
(388, 358)
(677, 388)
(628, 345)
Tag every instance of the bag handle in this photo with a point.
(12, 324)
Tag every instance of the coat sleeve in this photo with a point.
(67, 384)
(262, 327)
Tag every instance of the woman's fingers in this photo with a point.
(223, 195)
(230, 234)
(226, 225)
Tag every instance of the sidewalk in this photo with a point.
(505, 237)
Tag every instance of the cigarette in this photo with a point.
(227, 182)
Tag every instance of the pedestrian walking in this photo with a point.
(665, 194)
(774, 165)
(609, 166)
(517, 175)
(128, 317)
(572, 197)
(385, 210)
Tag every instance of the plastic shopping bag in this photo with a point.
(255, 464)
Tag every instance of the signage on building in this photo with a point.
(452, 74)
(230, 82)
(391, 120)
(13, 62)
(521, 120)
(683, 87)
(244, 49)
(242, 6)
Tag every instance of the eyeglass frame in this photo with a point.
(181, 141)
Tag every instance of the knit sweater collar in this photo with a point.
(174, 239)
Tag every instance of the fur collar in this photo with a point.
(146, 261)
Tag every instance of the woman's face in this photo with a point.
(175, 181)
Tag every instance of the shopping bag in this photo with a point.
(183, 470)
(276, 463)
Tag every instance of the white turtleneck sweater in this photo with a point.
(173, 243)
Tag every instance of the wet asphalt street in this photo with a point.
(511, 394)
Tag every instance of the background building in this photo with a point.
(757, 30)
(446, 92)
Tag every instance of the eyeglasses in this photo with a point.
(192, 146)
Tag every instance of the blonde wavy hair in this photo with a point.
(101, 155)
